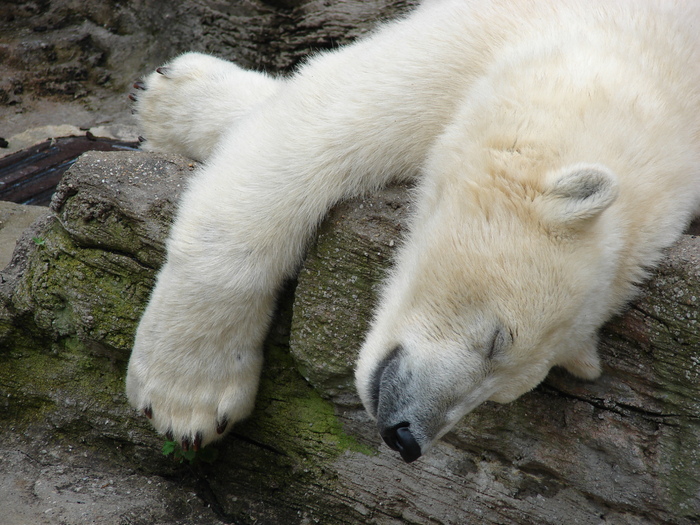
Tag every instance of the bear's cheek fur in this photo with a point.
(513, 382)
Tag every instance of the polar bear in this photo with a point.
(556, 152)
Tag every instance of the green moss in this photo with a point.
(281, 459)
(65, 374)
(63, 281)
(290, 410)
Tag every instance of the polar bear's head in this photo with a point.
(500, 280)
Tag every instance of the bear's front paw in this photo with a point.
(186, 106)
(194, 369)
(192, 408)
(187, 401)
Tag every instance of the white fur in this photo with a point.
(558, 149)
(195, 99)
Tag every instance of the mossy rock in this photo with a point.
(338, 288)
(621, 449)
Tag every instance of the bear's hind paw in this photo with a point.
(586, 363)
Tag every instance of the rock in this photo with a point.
(97, 247)
(73, 63)
(622, 449)
(338, 285)
(72, 450)
(14, 220)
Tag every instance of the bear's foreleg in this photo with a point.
(348, 123)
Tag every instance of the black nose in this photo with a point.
(399, 438)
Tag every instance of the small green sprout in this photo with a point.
(39, 241)
(207, 454)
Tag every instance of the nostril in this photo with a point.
(390, 438)
(400, 438)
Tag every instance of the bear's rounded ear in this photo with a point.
(577, 192)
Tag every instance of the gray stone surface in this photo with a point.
(14, 220)
(67, 63)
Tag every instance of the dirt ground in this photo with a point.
(56, 75)
(67, 63)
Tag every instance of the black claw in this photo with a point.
(196, 445)
(148, 412)
(139, 85)
(163, 70)
(132, 97)
(221, 425)
(169, 435)
(185, 445)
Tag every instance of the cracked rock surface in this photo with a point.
(622, 449)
